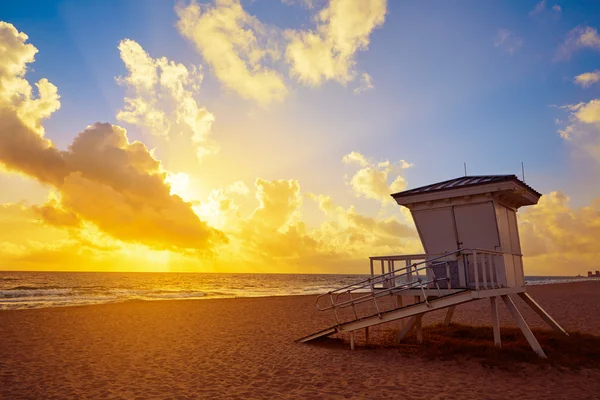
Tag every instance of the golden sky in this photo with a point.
(258, 145)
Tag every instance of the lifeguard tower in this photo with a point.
(468, 228)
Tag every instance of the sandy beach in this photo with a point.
(245, 349)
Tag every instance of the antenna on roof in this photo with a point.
(523, 171)
(465, 164)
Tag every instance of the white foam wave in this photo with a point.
(16, 293)
(42, 298)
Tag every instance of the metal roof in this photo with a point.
(463, 181)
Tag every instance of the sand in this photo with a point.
(245, 349)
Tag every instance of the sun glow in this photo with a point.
(180, 185)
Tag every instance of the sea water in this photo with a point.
(20, 290)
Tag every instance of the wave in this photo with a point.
(546, 280)
(33, 297)
(37, 292)
(38, 287)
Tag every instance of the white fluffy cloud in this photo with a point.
(587, 78)
(161, 97)
(376, 180)
(343, 28)
(582, 128)
(236, 45)
(559, 239)
(246, 55)
(15, 92)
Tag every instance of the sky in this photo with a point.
(267, 135)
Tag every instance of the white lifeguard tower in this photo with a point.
(468, 228)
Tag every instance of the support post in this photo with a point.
(542, 313)
(367, 335)
(352, 340)
(449, 315)
(419, 328)
(407, 328)
(399, 304)
(418, 322)
(484, 270)
(476, 270)
(523, 326)
(495, 321)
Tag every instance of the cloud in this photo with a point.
(507, 41)
(559, 239)
(582, 129)
(279, 202)
(343, 28)
(366, 83)
(236, 45)
(372, 180)
(540, 8)
(161, 98)
(355, 157)
(53, 213)
(346, 230)
(29, 243)
(578, 38)
(588, 78)
(102, 178)
(243, 52)
(274, 236)
(15, 92)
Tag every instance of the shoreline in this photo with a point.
(197, 297)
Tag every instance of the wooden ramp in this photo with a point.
(407, 311)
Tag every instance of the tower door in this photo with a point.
(476, 226)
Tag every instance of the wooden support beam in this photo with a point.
(449, 315)
(407, 328)
(419, 328)
(542, 313)
(514, 311)
(495, 321)
(399, 304)
(367, 335)
(352, 340)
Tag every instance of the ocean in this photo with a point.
(21, 290)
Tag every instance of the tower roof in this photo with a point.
(467, 184)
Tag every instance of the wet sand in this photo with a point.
(245, 349)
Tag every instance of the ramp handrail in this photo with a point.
(366, 290)
(371, 282)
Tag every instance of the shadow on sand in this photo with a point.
(476, 343)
